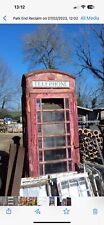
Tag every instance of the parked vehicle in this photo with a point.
(8, 120)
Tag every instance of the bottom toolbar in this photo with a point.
(82, 211)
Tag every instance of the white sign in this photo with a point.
(50, 84)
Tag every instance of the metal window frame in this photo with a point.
(66, 134)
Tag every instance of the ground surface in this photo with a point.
(6, 140)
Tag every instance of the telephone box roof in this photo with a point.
(48, 71)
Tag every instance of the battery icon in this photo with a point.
(90, 6)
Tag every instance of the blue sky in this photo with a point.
(11, 50)
(11, 46)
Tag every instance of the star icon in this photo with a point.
(66, 211)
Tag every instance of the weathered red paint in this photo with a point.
(30, 130)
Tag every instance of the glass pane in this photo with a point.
(68, 127)
(39, 129)
(67, 115)
(39, 117)
(52, 129)
(67, 103)
(70, 166)
(65, 184)
(74, 188)
(40, 155)
(69, 153)
(55, 167)
(41, 169)
(40, 143)
(68, 139)
(53, 116)
(53, 103)
(74, 182)
(54, 142)
(82, 180)
(55, 154)
(38, 104)
(83, 187)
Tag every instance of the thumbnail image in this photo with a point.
(9, 201)
(27, 201)
(51, 201)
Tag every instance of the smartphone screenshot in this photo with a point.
(51, 112)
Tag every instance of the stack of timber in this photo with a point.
(91, 145)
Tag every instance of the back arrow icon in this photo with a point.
(4, 18)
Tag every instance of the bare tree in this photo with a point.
(87, 54)
(6, 89)
(46, 47)
(90, 54)
(86, 97)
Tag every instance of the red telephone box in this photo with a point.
(50, 127)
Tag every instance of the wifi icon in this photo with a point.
(83, 6)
